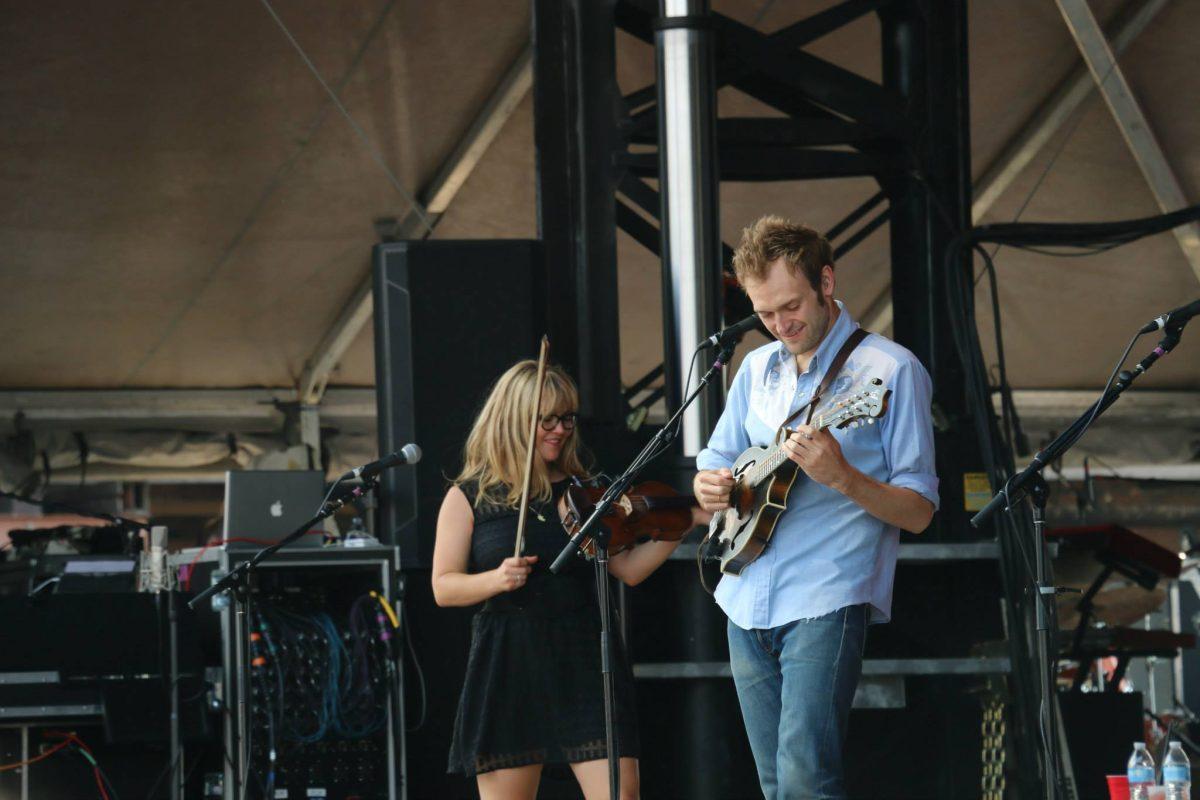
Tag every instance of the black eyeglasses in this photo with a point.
(550, 421)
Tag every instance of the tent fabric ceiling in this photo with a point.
(183, 206)
(180, 188)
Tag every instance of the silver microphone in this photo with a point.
(409, 454)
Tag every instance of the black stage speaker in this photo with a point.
(1101, 728)
(450, 316)
(1188, 674)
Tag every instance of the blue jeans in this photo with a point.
(795, 684)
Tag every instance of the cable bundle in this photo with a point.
(1089, 237)
(998, 440)
(341, 667)
(72, 743)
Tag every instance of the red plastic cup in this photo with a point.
(1118, 787)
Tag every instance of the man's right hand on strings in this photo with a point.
(712, 488)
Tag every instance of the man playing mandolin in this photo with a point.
(798, 612)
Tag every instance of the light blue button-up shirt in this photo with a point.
(826, 552)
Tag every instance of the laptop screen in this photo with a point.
(267, 505)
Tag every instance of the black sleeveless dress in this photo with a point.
(534, 692)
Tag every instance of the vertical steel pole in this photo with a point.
(691, 237)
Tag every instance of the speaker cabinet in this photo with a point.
(1101, 728)
(450, 316)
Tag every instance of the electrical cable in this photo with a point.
(1079, 115)
(81, 747)
(1012, 530)
(965, 334)
(1084, 235)
(329, 494)
(40, 757)
(996, 447)
(163, 773)
(412, 651)
(387, 609)
(259, 664)
(1104, 393)
(1088, 238)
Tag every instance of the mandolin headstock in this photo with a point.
(859, 408)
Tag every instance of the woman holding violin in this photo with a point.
(533, 691)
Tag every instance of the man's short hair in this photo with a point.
(771, 238)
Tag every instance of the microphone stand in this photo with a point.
(1031, 482)
(600, 538)
(240, 580)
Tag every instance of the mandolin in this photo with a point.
(764, 476)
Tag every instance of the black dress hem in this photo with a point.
(533, 690)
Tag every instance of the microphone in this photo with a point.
(733, 332)
(1173, 321)
(409, 454)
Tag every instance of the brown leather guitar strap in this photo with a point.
(852, 341)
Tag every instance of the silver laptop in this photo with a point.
(267, 505)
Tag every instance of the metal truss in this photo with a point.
(1032, 137)
(909, 132)
(827, 106)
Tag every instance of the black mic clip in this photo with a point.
(728, 337)
(1173, 321)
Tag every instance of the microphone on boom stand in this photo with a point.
(732, 334)
(1173, 321)
(409, 454)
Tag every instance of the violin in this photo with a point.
(649, 511)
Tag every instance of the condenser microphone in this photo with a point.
(1173, 321)
(409, 454)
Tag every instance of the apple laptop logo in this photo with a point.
(277, 508)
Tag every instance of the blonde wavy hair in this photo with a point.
(494, 455)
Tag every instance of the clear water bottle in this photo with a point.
(358, 536)
(1177, 774)
(1140, 771)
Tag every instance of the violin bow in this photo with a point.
(543, 354)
